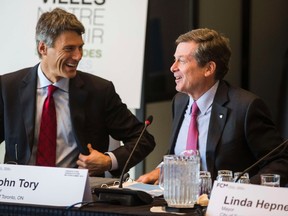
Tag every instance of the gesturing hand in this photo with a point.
(96, 162)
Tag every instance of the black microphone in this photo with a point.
(261, 159)
(125, 196)
(147, 123)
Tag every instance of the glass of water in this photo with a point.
(271, 180)
(225, 175)
(243, 179)
(205, 183)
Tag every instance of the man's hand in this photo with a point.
(151, 177)
(96, 162)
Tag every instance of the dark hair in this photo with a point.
(51, 24)
(212, 46)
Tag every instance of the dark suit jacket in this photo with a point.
(243, 134)
(96, 112)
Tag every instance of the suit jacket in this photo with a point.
(240, 132)
(96, 112)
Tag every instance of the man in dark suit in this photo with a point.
(88, 109)
(235, 126)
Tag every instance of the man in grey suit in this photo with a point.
(235, 126)
(88, 109)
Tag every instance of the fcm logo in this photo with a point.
(221, 184)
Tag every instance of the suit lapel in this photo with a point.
(179, 107)
(27, 92)
(217, 123)
(77, 100)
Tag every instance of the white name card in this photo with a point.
(43, 185)
(234, 199)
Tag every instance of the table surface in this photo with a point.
(95, 208)
(105, 209)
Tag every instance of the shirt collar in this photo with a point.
(206, 100)
(44, 82)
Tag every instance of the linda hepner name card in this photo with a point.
(43, 185)
(234, 199)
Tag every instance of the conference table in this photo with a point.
(102, 209)
(157, 207)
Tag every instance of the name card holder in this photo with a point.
(236, 199)
(43, 185)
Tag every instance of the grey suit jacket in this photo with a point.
(240, 132)
(96, 112)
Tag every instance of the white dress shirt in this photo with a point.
(66, 150)
(203, 119)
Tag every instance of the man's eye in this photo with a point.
(68, 49)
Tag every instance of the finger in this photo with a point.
(81, 157)
(80, 167)
(79, 163)
(89, 146)
(139, 179)
(143, 179)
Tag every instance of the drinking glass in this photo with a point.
(271, 180)
(225, 175)
(205, 183)
(243, 179)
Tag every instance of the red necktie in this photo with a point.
(192, 138)
(46, 153)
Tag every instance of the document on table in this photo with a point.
(153, 190)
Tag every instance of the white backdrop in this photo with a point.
(114, 39)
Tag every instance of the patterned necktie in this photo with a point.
(46, 153)
(192, 138)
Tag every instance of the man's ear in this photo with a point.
(210, 68)
(42, 48)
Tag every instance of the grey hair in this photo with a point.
(51, 24)
(212, 46)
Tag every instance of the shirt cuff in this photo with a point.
(114, 161)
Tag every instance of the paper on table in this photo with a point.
(153, 190)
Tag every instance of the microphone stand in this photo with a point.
(125, 196)
(147, 123)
